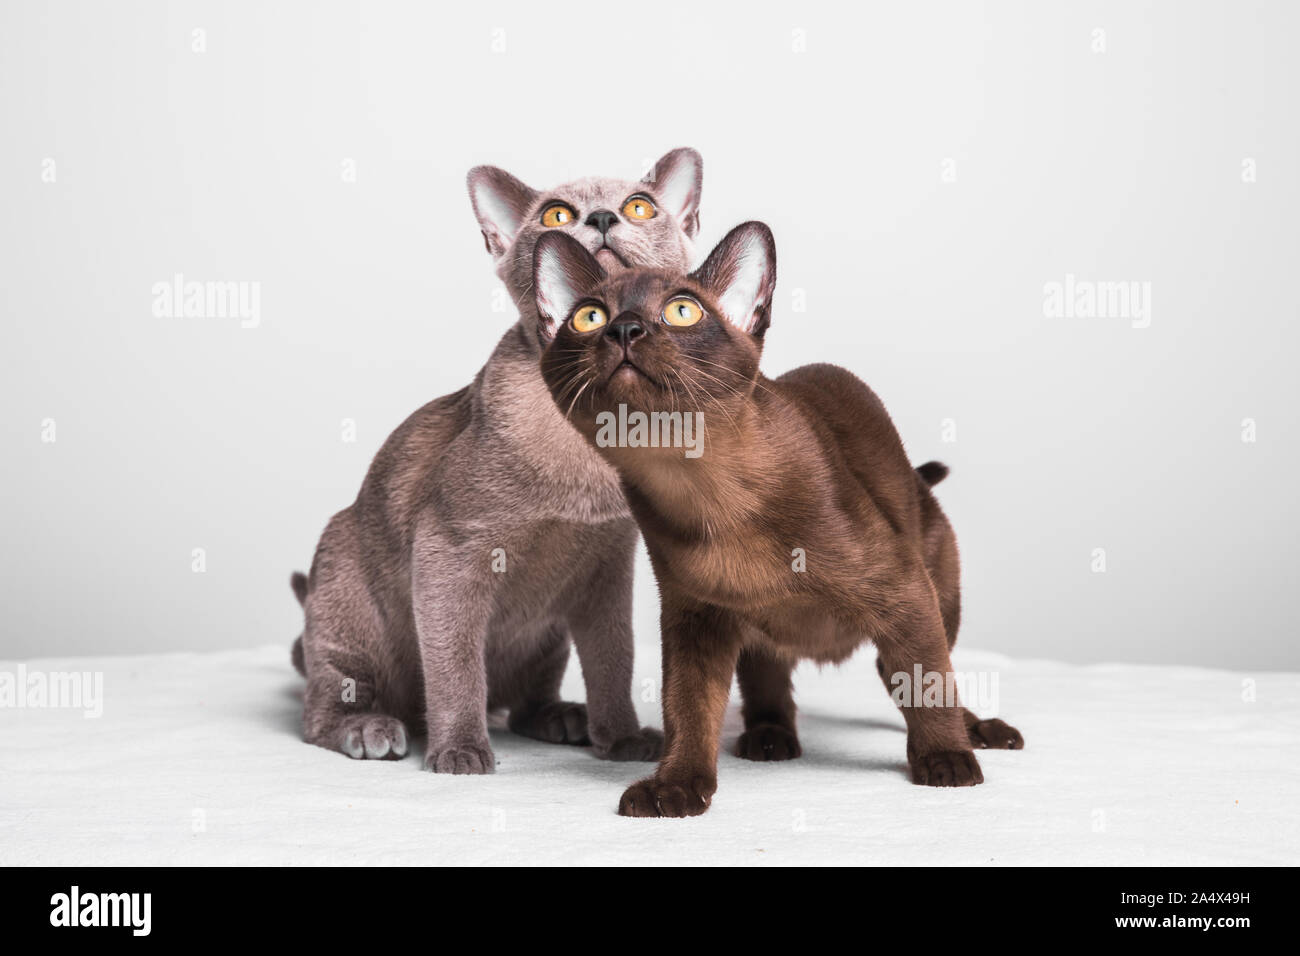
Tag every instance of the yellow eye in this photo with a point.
(683, 311)
(558, 214)
(589, 318)
(638, 207)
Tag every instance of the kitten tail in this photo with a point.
(932, 472)
(298, 581)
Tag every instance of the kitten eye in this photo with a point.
(682, 311)
(558, 214)
(589, 318)
(638, 207)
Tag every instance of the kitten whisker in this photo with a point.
(757, 382)
(718, 402)
(569, 384)
(575, 399)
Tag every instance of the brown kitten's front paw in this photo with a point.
(655, 797)
(645, 744)
(373, 737)
(994, 734)
(559, 722)
(947, 768)
(461, 758)
(768, 742)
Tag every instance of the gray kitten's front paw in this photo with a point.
(645, 744)
(559, 722)
(461, 758)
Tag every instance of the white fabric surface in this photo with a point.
(1123, 765)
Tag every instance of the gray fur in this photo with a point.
(403, 599)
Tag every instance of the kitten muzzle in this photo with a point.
(610, 260)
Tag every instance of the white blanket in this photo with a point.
(196, 759)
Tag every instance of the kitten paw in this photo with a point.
(559, 722)
(947, 768)
(656, 797)
(373, 737)
(768, 742)
(461, 758)
(645, 744)
(994, 734)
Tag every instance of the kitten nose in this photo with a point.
(625, 330)
(602, 219)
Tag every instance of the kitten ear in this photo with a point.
(563, 272)
(741, 274)
(500, 202)
(676, 180)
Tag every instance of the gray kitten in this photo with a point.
(487, 534)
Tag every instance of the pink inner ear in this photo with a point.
(676, 182)
(555, 288)
(499, 224)
(741, 272)
(744, 296)
(500, 202)
(547, 326)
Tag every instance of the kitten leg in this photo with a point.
(944, 568)
(701, 645)
(991, 734)
(451, 596)
(938, 747)
(536, 710)
(341, 708)
(351, 727)
(600, 619)
(768, 709)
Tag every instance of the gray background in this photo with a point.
(377, 295)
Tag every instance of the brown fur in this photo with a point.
(807, 461)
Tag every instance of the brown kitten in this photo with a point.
(808, 465)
